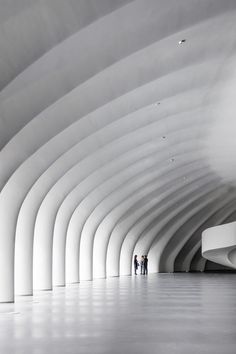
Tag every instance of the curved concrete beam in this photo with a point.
(104, 131)
(138, 242)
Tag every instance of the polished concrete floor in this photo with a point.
(161, 313)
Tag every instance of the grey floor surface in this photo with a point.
(161, 313)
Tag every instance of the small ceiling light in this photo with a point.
(163, 137)
(172, 159)
(182, 41)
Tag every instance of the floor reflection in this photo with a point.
(162, 313)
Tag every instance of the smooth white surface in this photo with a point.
(105, 127)
(164, 313)
(219, 244)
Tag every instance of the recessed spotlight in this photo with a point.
(182, 41)
(172, 159)
(163, 137)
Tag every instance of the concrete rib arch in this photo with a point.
(97, 121)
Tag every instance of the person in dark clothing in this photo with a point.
(145, 265)
(142, 267)
(135, 264)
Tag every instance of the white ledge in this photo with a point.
(219, 244)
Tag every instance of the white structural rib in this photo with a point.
(105, 112)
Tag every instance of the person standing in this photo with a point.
(142, 265)
(145, 265)
(135, 264)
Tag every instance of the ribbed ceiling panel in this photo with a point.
(105, 118)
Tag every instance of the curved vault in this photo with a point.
(104, 122)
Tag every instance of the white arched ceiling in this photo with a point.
(105, 126)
